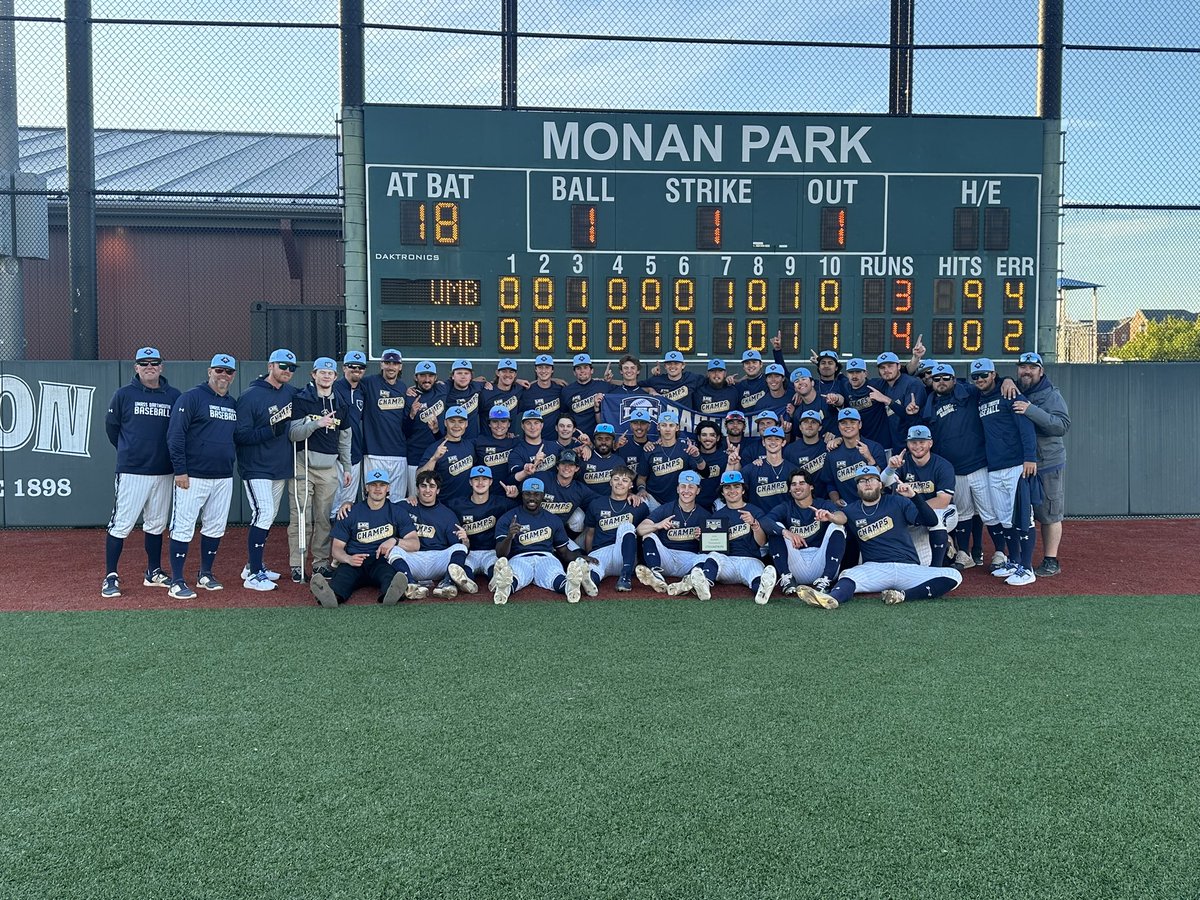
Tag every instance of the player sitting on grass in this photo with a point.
(807, 539)
(368, 543)
(745, 534)
(677, 551)
(610, 536)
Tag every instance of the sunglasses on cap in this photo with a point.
(223, 370)
(149, 362)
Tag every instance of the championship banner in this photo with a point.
(618, 408)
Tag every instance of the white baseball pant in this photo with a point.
(738, 569)
(426, 564)
(676, 563)
(402, 475)
(148, 496)
(206, 499)
(536, 568)
(264, 495)
(482, 561)
(807, 564)
(346, 494)
(608, 559)
(973, 495)
(1003, 486)
(947, 521)
(874, 577)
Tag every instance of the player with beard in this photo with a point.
(711, 462)
(902, 397)
(830, 380)
(715, 396)
(1047, 409)
(348, 390)
(600, 459)
(492, 449)
(463, 392)
(533, 548)
(504, 391)
(581, 400)
(479, 514)
(889, 560)
(422, 423)
(745, 534)
(806, 399)
(807, 539)
(670, 539)
(610, 537)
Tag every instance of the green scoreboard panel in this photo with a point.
(509, 233)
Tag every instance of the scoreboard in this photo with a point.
(511, 233)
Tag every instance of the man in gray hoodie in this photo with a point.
(1047, 410)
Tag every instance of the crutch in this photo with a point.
(302, 508)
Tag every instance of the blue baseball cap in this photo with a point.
(224, 360)
(981, 366)
(324, 364)
(146, 353)
(481, 472)
(568, 456)
(377, 475)
(425, 367)
(462, 364)
(668, 417)
(283, 356)
(732, 478)
(828, 354)
(927, 365)
(849, 414)
(767, 414)
(533, 485)
(457, 412)
(673, 356)
(499, 412)
(801, 373)
(813, 414)
(391, 354)
(581, 359)
(943, 369)
(604, 428)
(689, 477)
(506, 364)
(919, 433)
(864, 471)
(775, 369)
(1031, 359)
(773, 431)
(544, 359)
(751, 354)
(856, 365)
(531, 414)
(735, 414)
(355, 358)
(716, 364)
(888, 357)
(640, 415)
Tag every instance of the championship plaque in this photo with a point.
(714, 538)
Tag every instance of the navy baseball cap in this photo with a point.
(919, 433)
(283, 356)
(943, 369)
(774, 369)
(604, 428)
(462, 364)
(425, 367)
(581, 359)
(689, 477)
(354, 358)
(640, 415)
(1031, 359)
(544, 359)
(224, 361)
(457, 412)
(856, 365)
(499, 412)
(324, 364)
(668, 417)
(376, 475)
(812, 414)
(533, 486)
(888, 357)
(145, 354)
(481, 472)
(751, 354)
(673, 356)
(506, 364)
(849, 414)
(864, 471)
(732, 478)
(982, 366)
(801, 373)
(773, 431)
(392, 355)
(568, 456)
(828, 354)
(716, 364)
(530, 414)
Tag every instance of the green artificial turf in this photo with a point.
(960, 748)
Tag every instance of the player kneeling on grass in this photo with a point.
(533, 548)
(807, 541)
(671, 542)
(745, 536)
(368, 543)
(610, 537)
(889, 559)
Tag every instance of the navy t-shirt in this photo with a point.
(541, 532)
(479, 520)
(800, 520)
(364, 529)
(842, 464)
(523, 452)
(564, 500)
(661, 468)
(767, 483)
(435, 525)
(597, 470)
(882, 529)
(546, 400)
(454, 468)
(605, 515)
(740, 534)
(580, 401)
(686, 533)
(935, 476)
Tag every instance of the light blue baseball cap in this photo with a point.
(732, 478)
(919, 433)
(689, 477)
(457, 412)
(499, 412)
(354, 358)
(481, 472)
(224, 361)
(981, 366)
(943, 369)
(673, 356)
(668, 417)
(849, 414)
(462, 364)
(506, 364)
(147, 353)
(856, 365)
(376, 475)
(775, 369)
(426, 367)
(544, 359)
(774, 431)
(581, 359)
(324, 364)
(813, 414)
(283, 356)
(1031, 359)
(801, 373)
(533, 485)
(604, 428)
(531, 414)
(864, 471)
(828, 354)
(716, 364)
(887, 357)
(751, 354)
(767, 414)
(391, 354)
(640, 415)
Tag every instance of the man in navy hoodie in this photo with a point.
(137, 426)
(266, 458)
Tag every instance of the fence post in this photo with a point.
(508, 60)
(12, 285)
(900, 59)
(81, 181)
(354, 177)
(1049, 100)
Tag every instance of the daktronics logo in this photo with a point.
(410, 257)
(57, 420)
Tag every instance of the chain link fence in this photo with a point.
(215, 151)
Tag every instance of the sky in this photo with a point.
(1132, 131)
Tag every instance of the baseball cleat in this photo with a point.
(787, 585)
(625, 582)
(180, 591)
(459, 576)
(963, 560)
(274, 576)
(892, 596)
(999, 559)
(209, 583)
(683, 586)
(445, 590)
(977, 557)
(590, 587)
(259, 582)
(766, 583)
(1021, 576)
(416, 591)
(813, 597)
(822, 584)
(577, 570)
(323, 593)
(156, 578)
(501, 582)
(701, 585)
(652, 578)
(111, 586)
(393, 595)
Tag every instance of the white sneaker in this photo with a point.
(1021, 576)
(891, 597)
(1005, 570)
(766, 584)
(700, 583)
(273, 576)
(577, 570)
(589, 586)
(459, 576)
(652, 578)
(259, 582)
(963, 560)
(502, 582)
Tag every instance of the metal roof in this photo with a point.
(1071, 284)
(220, 166)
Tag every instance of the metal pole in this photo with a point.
(1049, 100)
(12, 282)
(901, 59)
(508, 61)
(81, 181)
(354, 173)
(353, 67)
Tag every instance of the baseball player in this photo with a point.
(200, 441)
(630, 370)
(567, 435)
(610, 538)
(806, 399)
(677, 552)
(369, 545)
(137, 421)
(806, 538)
(443, 539)
(777, 396)
(711, 462)
(385, 399)
(320, 431)
(932, 477)
(600, 462)
(453, 457)
(493, 449)
(533, 548)
(1047, 410)
(266, 459)
(753, 385)
(663, 460)
(544, 396)
(504, 391)
(831, 383)
(423, 421)
(532, 456)
(810, 448)
(745, 532)
(465, 394)
(902, 396)
(889, 560)
(348, 390)
(583, 398)
(842, 463)
(566, 496)
(716, 395)
(479, 514)
(765, 480)
(675, 385)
